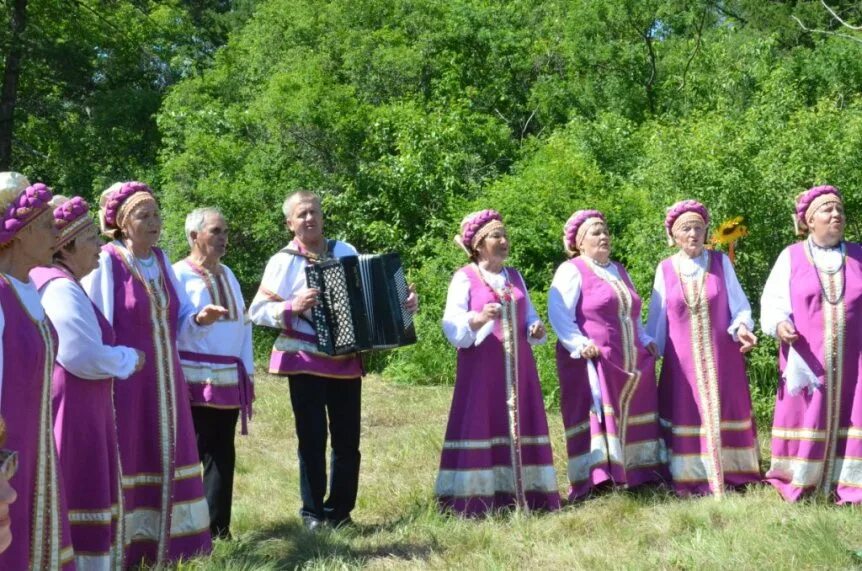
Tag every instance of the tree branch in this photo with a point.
(826, 32)
(695, 51)
(527, 123)
(647, 38)
(837, 17)
(723, 10)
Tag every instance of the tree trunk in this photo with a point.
(11, 73)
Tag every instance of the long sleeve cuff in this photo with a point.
(644, 337)
(536, 341)
(769, 324)
(128, 360)
(457, 330)
(575, 345)
(744, 318)
(190, 328)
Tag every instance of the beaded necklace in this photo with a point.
(826, 274)
(691, 301)
(504, 294)
(597, 263)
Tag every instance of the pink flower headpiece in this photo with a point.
(678, 212)
(809, 201)
(118, 204)
(475, 227)
(70, 217)
(20, 206)
(574, 229)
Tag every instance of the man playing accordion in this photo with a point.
(324, 390)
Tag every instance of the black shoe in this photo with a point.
(340, 523)
(311, 523)
(222, 535)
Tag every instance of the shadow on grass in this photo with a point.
(288, 545)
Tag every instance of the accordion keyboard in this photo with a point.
(361, 304)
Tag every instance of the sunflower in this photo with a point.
(729, 231)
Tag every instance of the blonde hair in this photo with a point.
(300, 195)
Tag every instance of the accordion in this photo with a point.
(361, 304)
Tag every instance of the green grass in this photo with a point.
(398, 526)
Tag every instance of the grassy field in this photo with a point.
(398, 526)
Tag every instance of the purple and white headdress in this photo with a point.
(475, 226)
(71, 216)
(576, 228)
(20, 204)
(119, 200)
(809, 201)
(682, 212)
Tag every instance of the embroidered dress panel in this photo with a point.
(705, 372)
(39, 519)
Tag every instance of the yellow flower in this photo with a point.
(729, 231)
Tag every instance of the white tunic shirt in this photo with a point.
(740, 309)
(283, 278)
(457, 314)
(775, 304)
(81, 351)
(563, 300)
(229, 336)
(29, 296)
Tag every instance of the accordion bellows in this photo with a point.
(361, 304)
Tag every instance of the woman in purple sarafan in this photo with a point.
(606, 365)
(39, 522)
(83, 390)
(701, 323)
(812, 303)
(135, 288)
(497, 453)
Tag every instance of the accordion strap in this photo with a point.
(310, 256)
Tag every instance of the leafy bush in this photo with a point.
(408, 114)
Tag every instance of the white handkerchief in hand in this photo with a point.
(798, 375)
(595, 387)
(484, 331)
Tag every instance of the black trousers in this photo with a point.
(215, 429)
(315, 401)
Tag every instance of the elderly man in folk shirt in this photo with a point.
(218, 365)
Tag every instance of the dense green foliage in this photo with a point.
(406, 114)
(93, 77)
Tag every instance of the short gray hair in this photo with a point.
(297, 196)
(195, 221)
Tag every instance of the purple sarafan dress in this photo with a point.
(86, 436)
(619, 443)
(39, 523)
(497, 453)
(817, 436)
(704, 401)
(166, 514)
